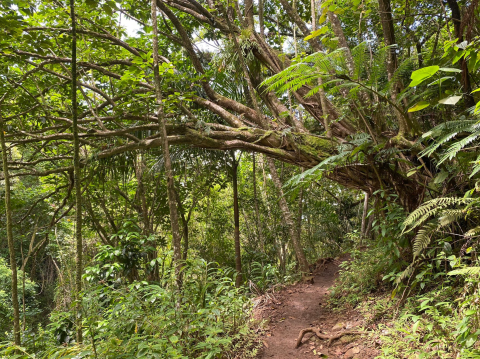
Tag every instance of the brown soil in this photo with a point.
(301, 306)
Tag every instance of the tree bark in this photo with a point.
(236, 218)
(77, 183)
(249, 14)
(288, 219)
(300, 212)
(11, 247)
(386, 18)
(255, 203)
(261, 18)
(364, 216)
(176, 238)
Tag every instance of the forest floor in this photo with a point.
(286, 313)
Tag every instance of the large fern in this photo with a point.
(369, 72)
(431, 209)
(451, 138)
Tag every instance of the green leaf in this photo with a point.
(452, 100)
(411, 172)
(415, 326)
(419, 106)
(475, 90)
(449, 69)
(316, 33)
(422, 74)
(477, 107)
(458, 56)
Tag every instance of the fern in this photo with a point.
(431, 208)
(423, 238)
(469, 271)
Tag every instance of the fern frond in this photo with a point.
(423, 238)
(430, 208)
(469, 271)
(360, 55)
(456, 147)
(449, 216)
(472, 232)
(403, 71)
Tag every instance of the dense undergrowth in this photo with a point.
(433, 312)
(202, 315)
(206, 317)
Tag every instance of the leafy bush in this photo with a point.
(264, 276)
(6, 307)
(206, 318)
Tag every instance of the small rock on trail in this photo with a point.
(301, 306)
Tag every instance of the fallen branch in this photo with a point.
(320, 335)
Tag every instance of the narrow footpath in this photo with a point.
(286, 313)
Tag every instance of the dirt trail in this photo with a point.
(301, 306)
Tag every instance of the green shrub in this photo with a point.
(206, 318)
(6, 307)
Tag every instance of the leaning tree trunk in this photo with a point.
(176, 238)
(288, 219)
(77, 183)
(236, 217)
(11, 248)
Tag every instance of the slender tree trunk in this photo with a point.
(255, 203)
(185, 241)
(77, 183)
(323, 101)
(300, 213)
(176, 238)
(386, 19)
(249, 13)
(11, 248)
(236, 217)
(364, 216)
(260, 17)
(288, 219)
(314, 15)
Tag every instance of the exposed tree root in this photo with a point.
(319, 334)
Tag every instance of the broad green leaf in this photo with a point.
(422, 74)
(452, 100)
(475, 90)
(419, 106)
(458, 56)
